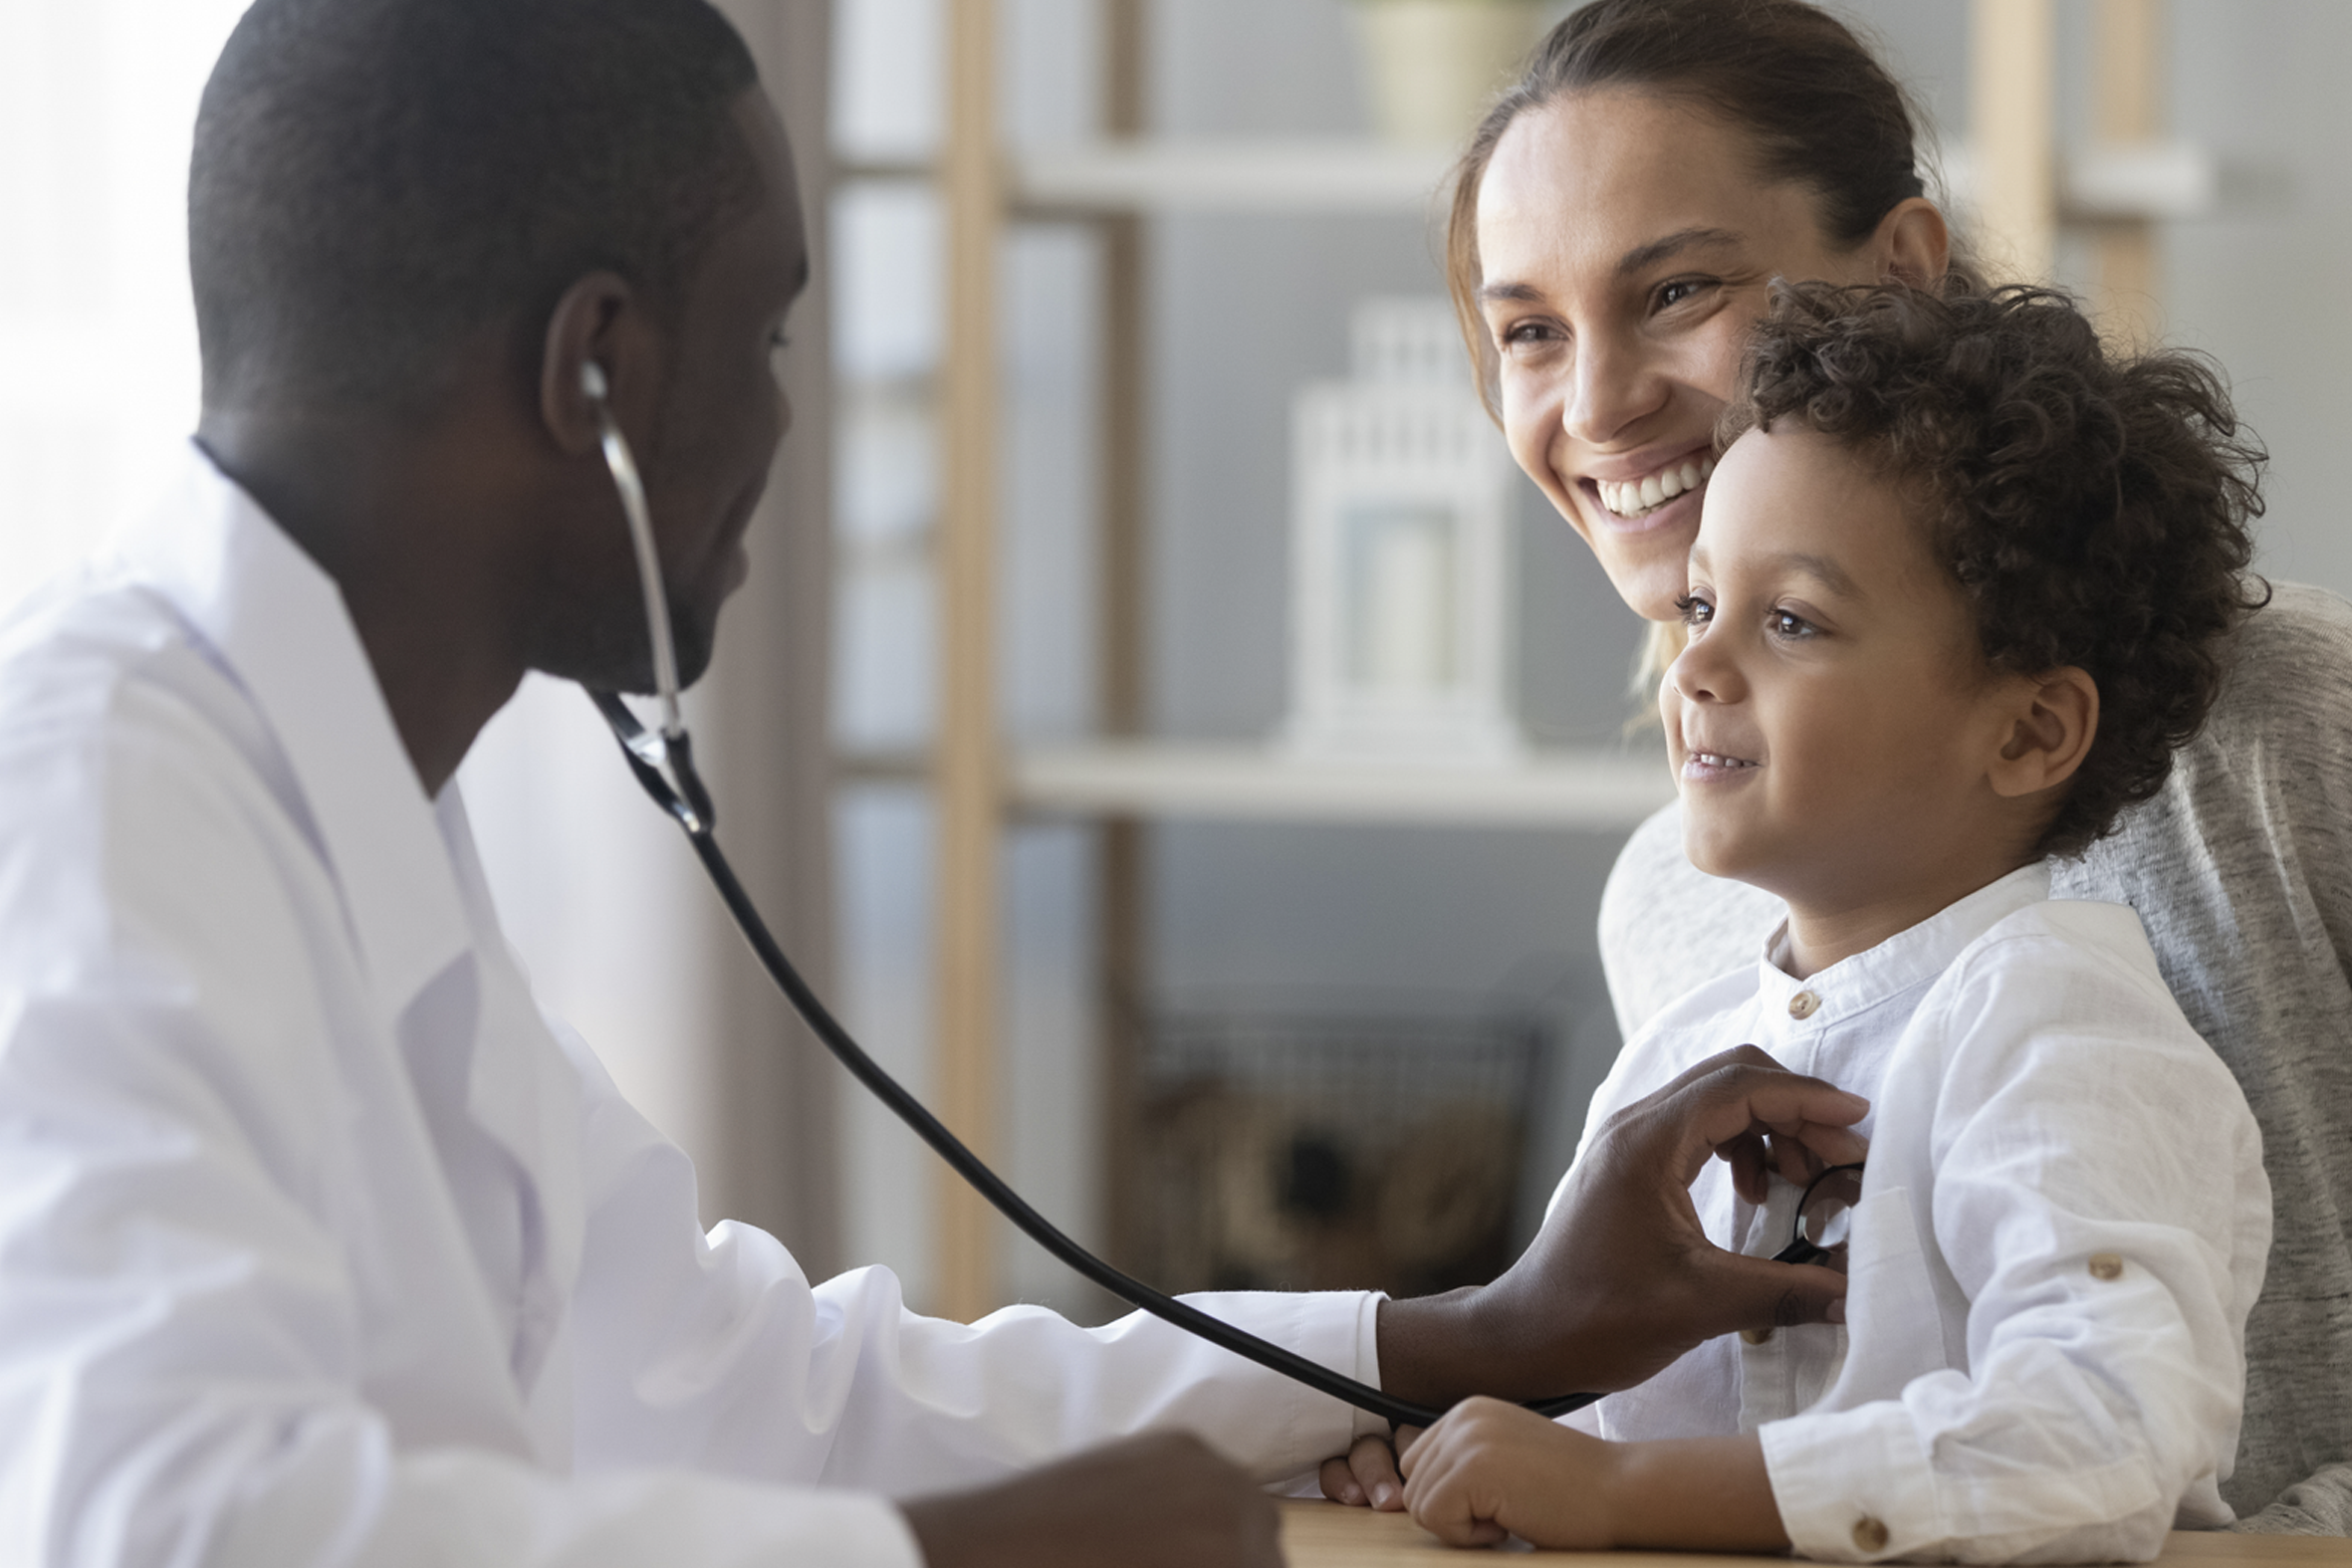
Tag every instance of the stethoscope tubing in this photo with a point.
(696, 822)
(662, 758)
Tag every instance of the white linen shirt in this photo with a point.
(2063, 1224)
(319, 1244)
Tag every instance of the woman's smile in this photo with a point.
(1647, 504)
(1633, 501)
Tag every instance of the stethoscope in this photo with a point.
(662, 758)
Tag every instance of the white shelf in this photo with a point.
(2114, 182)
(2155, 182)
(1597, 790)
(2152, 180)
(1320, 176)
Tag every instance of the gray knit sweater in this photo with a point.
(2241, 871)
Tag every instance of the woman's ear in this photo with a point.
(1914, 245)
(2052, 720)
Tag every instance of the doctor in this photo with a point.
(318, 1243)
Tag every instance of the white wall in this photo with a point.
(2264, 285)
(97, 332)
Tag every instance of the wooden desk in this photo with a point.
(1326, 1535)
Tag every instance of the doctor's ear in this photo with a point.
(599, 354)
(2053, 718)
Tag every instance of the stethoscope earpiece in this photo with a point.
(623, 467)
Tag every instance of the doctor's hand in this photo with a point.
(1622, 1280)
(1162, 1501)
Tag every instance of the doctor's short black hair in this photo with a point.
(374, 181)
(2092, 506)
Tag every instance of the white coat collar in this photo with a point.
(410, 881)
(278, 624)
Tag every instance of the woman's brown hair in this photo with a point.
(1818, 107)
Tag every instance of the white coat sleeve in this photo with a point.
(2097, 1194)
(716, 1352)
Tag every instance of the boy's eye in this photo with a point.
(1786, 624)
(1675, 290)
(1695, 612)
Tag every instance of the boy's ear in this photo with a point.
(2053, 717)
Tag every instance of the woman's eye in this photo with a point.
(1522, 334)
(1695, 612)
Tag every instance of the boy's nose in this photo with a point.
(1702, 674)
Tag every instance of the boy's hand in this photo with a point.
(1490, 1470)
(1622, 1279)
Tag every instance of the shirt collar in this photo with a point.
(279, 625)
(1908, 958)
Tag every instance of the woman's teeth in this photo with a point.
(1633, 497)
(1714, 760)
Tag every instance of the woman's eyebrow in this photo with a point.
(1522, 293)
(1640, 259)
(1643, 257)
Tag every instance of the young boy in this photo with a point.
(1957, 596)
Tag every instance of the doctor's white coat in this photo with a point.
(319, 1244)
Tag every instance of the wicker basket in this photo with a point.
(1330, 1153)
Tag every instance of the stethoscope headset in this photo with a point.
(662, 758)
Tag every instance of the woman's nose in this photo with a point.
(1613, 387)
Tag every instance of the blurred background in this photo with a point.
(1181, 764)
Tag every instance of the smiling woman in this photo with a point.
(1616, 221)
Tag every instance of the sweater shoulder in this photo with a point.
(1667, 927)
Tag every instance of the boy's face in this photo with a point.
(1832, 723)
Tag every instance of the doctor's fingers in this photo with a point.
(1753, 1157)
(1368, 1475)
(1742, 1292)
(1742, 1095)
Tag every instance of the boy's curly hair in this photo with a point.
(2093, 507)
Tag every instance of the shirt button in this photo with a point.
(1804, 1005)
(1869, 1535)
(2106, 1265)
(1757, 1336)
